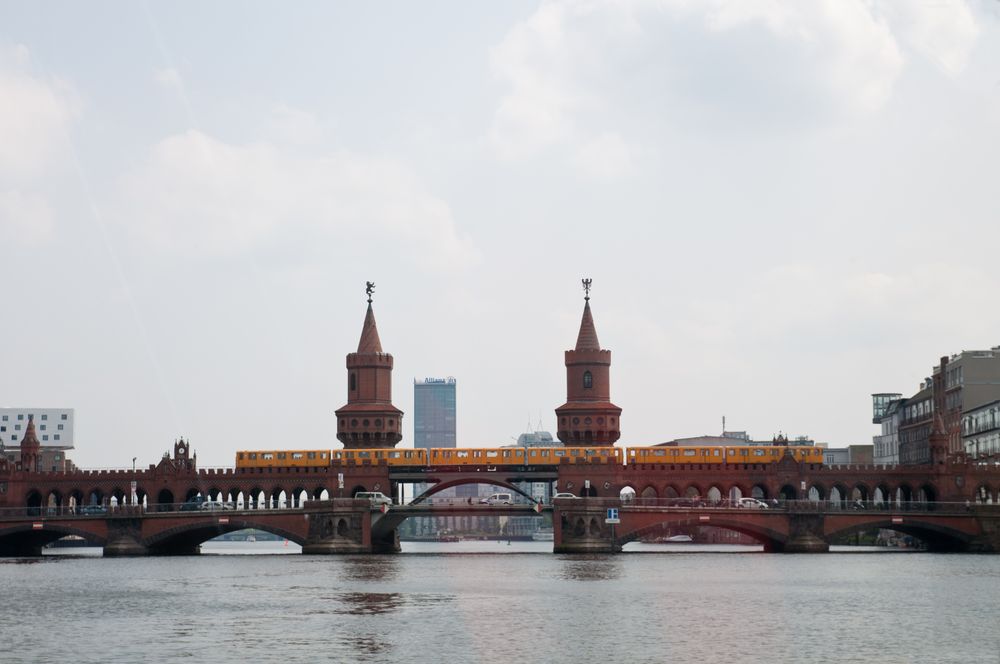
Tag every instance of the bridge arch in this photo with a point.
(164, 500)
(671, 491)
(816, 493)
(771, 539)
(187, 537)
(713, 495)
(24, 538)
(493, 481)
(882, 494)
(759, 491)
(937, 537)
(649, 493)
(33, 501)
(692, 491)
(787, 492)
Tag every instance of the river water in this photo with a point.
(499, 602)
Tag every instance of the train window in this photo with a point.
(659, 453)
(296, 455)
(365, 454)
(690, 453)
(759, 453)
(394, 455)
(267, 456)
(673, 452)
(253, 455)
(462, 455)
(559, 453)
(492, 454)
(774, 453)
(715, 452)
(574, 452)
(311, 455)
(239, 455)
(323, 455)
(282, 455)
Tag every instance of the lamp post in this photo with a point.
(133, 481)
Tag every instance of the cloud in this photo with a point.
(200, 195)
(576, 71)
(34, 117)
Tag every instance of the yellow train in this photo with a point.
(729, 455)
(520, 456)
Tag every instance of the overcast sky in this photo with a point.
(784, 207)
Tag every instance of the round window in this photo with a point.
(586, 420)
(600, 420)
(364, 422)
(378, 422)
(576, 420)
(354, 423)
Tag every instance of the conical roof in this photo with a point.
(587, 339)
(370, 342)
(30, 438)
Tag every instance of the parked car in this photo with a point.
(192, 504)
(498, 499)
(376, 498)
(560, 496)
(93, 509)
(213, 505)
(752, 503)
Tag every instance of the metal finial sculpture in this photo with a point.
(586, 288)
(369, 289)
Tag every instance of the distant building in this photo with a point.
(434, 413)
(53, 426)
(739, 438)
(852, 454)
(981, 431)
(887, 411)
(915, 426)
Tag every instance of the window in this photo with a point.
(20, 416)
(4, 418)
(44, 417)
(45, 437)
(2, 429)
(42, 427)
(63, 417)
(17, 427)
(354, 382)
(588, 380)
(60, 427)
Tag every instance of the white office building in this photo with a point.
(53, 427)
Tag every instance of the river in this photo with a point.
(500, 602)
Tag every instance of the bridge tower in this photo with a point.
(31, 455)
(369, 419)
(588, 417)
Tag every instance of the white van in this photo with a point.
(752, 503)
(498, 499)
(376, 498)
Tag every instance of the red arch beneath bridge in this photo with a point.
(653, 523)
(475, 479)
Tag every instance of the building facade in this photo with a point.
(53, 427)
(434, 413)
(981, 431)
(888, 414)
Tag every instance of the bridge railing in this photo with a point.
(202, 507)
(824, 506)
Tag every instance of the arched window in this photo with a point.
(354, 382)
(588, 379)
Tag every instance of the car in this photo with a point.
(192, 504)
(376, 498)
(93, 509)
(498, 499)
(212, 505)
(560, 496)
(752, 503)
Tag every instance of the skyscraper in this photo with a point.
(434, 413)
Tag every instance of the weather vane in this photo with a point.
(586, 288)
(369, 289)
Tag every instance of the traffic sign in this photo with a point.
(612, 516)
(384, 508)
(538, 507)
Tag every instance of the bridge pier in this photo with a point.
(124, 539)
(805, 535)
(343, 530)
(583, 531)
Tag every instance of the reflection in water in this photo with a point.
(366, 644)
(592, 567)
(368, 604)
(372, 568)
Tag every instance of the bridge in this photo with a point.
(138, 512)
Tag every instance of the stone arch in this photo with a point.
(692, 491)
(670, 491)
(734, 494)
(360, 487)
(927, 496)
(904, 495)
(343, 530)
(882, 494)
(758, 491)
(75, 499)
(627, 494)
(594, 527)
(649, 493)
(816, 493)
(54, 502)
(320, 493)
(95, 497)
(983, 495)
(787, 492)
(191, 494)
(839, 495)
(255, 498)
(298, 496)
(713, 495)
(579, 527)
(33, 500)
(860, 492)
(164, 500)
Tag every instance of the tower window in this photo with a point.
(354, 382)
(588, 379)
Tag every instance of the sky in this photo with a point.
(784, 207)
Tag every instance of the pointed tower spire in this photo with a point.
(369, 419)
(588, 417)
(30, 447)
(369, 343)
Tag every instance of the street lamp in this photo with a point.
(133, 481)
